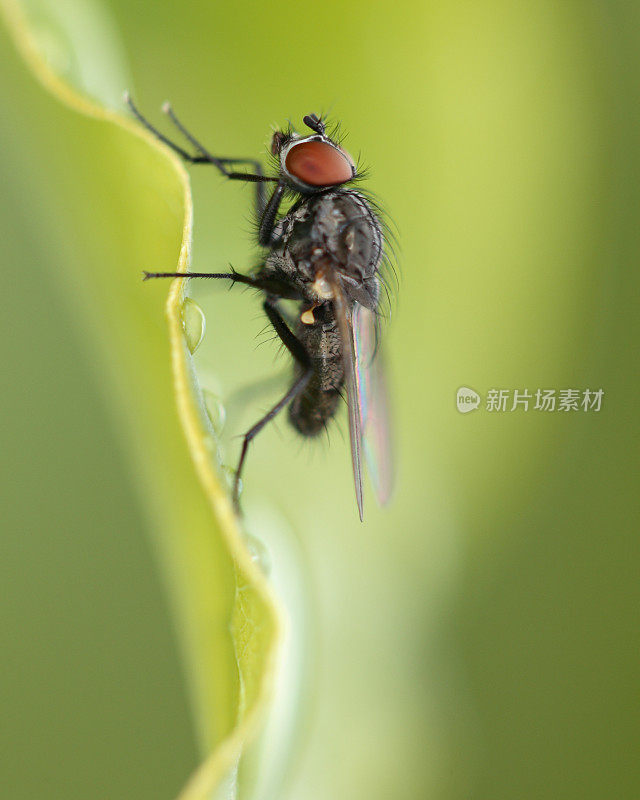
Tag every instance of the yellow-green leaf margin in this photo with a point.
(256, 643)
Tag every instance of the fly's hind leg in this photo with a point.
(299, 352)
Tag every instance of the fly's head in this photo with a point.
(310, 164)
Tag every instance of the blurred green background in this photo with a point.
(478, 638)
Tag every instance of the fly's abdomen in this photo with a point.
(310, 412)
(317, 404)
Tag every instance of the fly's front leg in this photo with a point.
(203, 156)
(269, 215)
(267, 211)
(252, 162)
(299, 352)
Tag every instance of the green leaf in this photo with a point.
(225, 611)
(469, 640)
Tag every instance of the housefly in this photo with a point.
(324, 246)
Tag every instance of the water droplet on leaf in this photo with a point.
(230, 474)
(215, 410)
(259, 552)
(193, 323)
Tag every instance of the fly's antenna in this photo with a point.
(314, 122)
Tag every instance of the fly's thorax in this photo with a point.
(335, 232)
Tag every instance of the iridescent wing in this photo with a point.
(366, 397)
(344, 319)
(373, 402)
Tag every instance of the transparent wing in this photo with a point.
(372, 401)
(345, 326)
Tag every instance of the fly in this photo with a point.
(324, 251)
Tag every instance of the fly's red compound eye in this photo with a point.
(318, 164)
